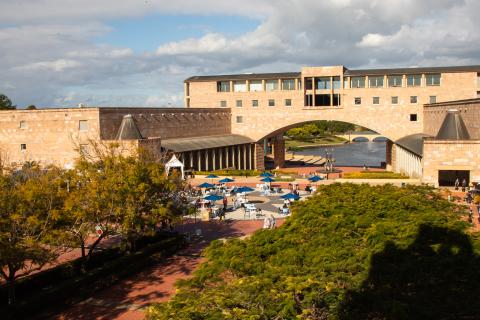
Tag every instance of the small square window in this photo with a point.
(271, 102)
(376, 100)
(23, 147)
(288, 102)
(433, 99)
(23, 124)
(254, 103)
(223, 104)
(394, 100)
(239, 103)
(413, 99)
(413, 117)
(358, 101)
(83, 125)
(239, 119)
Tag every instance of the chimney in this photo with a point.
(453, 127)
(128, 129)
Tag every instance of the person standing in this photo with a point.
(225, 203)
(457, 183)
(470, 215)
(273, 222)
(266, 223)
(464, 184)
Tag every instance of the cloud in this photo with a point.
(50, 53)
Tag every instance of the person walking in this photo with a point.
(225, 203)
(457, 183)
(464, 184)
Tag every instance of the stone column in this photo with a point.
(227, 156)
(207, 167)
(191, 159)
(220, 150)
(389, 156)
(250, 156)
(314, 92)
(199, 160)
(239, 157)
(259, 155)
(214, 160)
(233, 157)
(245, 157)
(278, 152)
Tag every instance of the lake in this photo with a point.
(352, 154)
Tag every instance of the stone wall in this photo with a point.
(450, 155)
(167, 123)
(434, 115)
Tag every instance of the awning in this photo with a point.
(206, 142)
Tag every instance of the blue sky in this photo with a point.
(148, 32)
(58, 53)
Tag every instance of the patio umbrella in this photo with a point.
(213, 197)
(211, 176)
(225, 180)
(268, 179)
(266, 175)
(206, 185)
(290, 196)
(245, 189)
(314, 179)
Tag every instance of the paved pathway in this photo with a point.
(128, 298)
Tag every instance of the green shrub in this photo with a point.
(349, 252)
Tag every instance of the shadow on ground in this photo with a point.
(436, 277)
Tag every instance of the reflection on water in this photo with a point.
(352, 154)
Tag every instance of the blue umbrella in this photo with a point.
(266, 175)
(206, 185)
(290, 196)
(315, 179)
(268, 179)
(225, 180)
(245, 189)
(211, 176)
(213, 197)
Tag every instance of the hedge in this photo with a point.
(374, 175)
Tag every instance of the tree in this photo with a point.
(31, 107)
(31, 227)
(6, 103)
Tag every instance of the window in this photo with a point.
(357, 82)
(288, 102)
(323, 83)
(271, 85)
(376, 100)
(375, 82)
(23, 124)
(288, 84)
(345, 82)
(358, 101)
(413, 117)
(395, 81)
(414, 80)
(223, 86)
(433, 79)
(322, 100)
(254, 103)
(256, 85)
(240, 86)
(239, 103)
(223, 104)
(336, 83)
(83, 125)
(433, 99)
(394, 100)
(271, 102)
(239, 119)
(413, 99)
(23, 147)
(308, 84)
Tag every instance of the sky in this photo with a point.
(59, 53)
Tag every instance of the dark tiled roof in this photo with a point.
(246, 76)
(206, 142)
(413, 143)
(367, 72)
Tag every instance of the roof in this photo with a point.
(413, 143)
(454, 103)
(453, 127)
(128, 129)
(246, 76)
(205, 142)
(454, 69)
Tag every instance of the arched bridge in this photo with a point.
(358, 136)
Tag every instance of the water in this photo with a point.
(352, 154)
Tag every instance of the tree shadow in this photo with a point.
(436, 277)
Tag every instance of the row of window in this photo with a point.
(82, 125)
(412, 80)
(394, 100)
(255, 103)
(257, 85)
(413, 118)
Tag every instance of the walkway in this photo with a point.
(128, 298)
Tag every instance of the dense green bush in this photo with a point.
(374, 175)
(331, 256)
